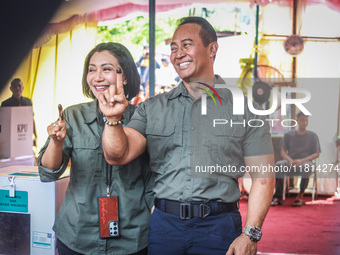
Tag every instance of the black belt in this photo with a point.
(188, 210)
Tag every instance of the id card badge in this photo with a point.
(108, 217)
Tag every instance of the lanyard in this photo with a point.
(108, 168)
(108, 171)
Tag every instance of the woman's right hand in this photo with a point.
(57, 131)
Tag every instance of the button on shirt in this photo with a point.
(183, 144)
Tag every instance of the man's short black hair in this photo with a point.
(15, 81)
(207, 33)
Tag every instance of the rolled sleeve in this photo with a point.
(47, 174)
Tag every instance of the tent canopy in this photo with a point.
(107, 9)
(27, 17)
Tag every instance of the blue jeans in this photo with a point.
(170, 235)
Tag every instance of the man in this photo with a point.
(18, 100)
(193, 215)
(298, 149)
(143, 67)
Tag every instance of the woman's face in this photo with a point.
(102, 72)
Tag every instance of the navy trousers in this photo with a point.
(64, 250)
(170, 235)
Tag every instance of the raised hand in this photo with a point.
(112, 102)
(52, 158)
(57, 130)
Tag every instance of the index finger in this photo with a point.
(61, 112)
(120, 88)
(61, 123)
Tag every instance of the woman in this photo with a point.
(78, 138)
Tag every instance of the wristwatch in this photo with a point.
(254, 233)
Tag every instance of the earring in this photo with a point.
(125, 82)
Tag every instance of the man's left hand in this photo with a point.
(242, 246)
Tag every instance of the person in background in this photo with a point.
(143, 66)
(166, 75)
(18, 100)
(298, 149)
(194, 214)
(77, 137)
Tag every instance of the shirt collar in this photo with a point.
(92, 113)
(181, 89)
(223, 93)
(17, 99)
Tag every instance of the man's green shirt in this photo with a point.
(181, 141)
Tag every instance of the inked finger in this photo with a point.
(61, 112)
(120, 80)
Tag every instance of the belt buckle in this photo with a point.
(185, 211)
(205, 210)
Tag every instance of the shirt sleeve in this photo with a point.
(285, 142)
(257, 139)
(29, 102)
(50, 175)
(139, 118)
(316, 147)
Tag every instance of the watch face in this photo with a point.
(255, 234)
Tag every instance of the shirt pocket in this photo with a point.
(161, 146)
(226, 146)
(87, 159)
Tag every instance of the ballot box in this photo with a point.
(16, 130)
(28, 208)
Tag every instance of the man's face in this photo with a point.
(17, 89)
(190, 58)
(302, 122)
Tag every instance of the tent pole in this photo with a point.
(152, 62)
(256, 41)
(295, 6)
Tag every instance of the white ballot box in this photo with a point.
(16, 129)
(27, 211)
